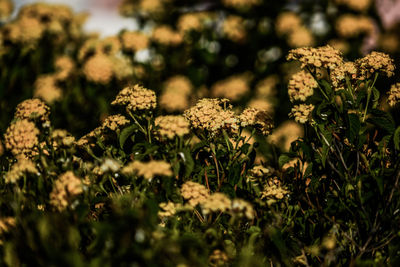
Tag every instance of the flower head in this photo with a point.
(32, 109)
(394, 94)
(258, 119)
(375, 62)
(18, 169)
(65, 189)
(171, 126)
(148, 170)
(194, 193)
(136, 98)
(21, 138)
(325, 57)
(301, 113)
(301, 86)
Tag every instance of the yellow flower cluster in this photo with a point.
(62, 138)
(99, 69)
(46, 89)
(114, 122)
(216, 202)
(176, 93)
(6, 8)
(301, 86)
(64, 66)
(273, 190)
(258, 119)
(350, 25)
(65, 189)
(339, 74)
(325, 57)
(18, 169)
(289, 24)
(357, 5)
(394, 94)
(148, 170)
(302, 113)
(194, 193)
(134, 41)
(171, 126)
(267, 87)
(234, 29)
(6, 224)
(32, 109)
(209, 115)
(375, 62)
(192, 21)
(240, 4)
(136, 98)
(233, 87)
(21, 138)
(170, 209)
(285, 134)
(165, 35)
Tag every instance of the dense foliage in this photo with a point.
(222, 133)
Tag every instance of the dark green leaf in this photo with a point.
(125, 133)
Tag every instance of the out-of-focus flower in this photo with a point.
(46, 89)
(216, 202)
(234, 29)
(300, 37)
(114, 122)
(18, 169)
(134, 41)
(65, 189)
(99, 69)
(285, 134)
(350, 25)
(64, 66)
(287, 22)
(357, 5)
(232, 87)
(165, 35)
(6, 9)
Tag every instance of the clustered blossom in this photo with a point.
(134, 41)
(171, 126)
(194, 193)
(99, 69)
(339, 74)
(170, 209)
(351, 25)
(136, 98)
(285, 134)
(165, 35)
(325, 57)
(6, 8)
(375, 62)
(65, 189)
(61, 137)
(301, 113)
(32, 109)
(232, 88)
(240, 4)
(289, 24)
(64, 66)
(216, 202)
(273, 191)
(258, 119)
(148, 170)
(21, 138)
(357, 5)
(192, 21)
(176, 93)
(233, 28)
(209, 115)
(394, 94)
(46, 89)
(18, 169)
(114, 122)
(301, 86)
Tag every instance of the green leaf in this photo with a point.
(382, 120)
(375, 99)
(125, 133)
(283, 159)
(396, 138)
(354, 127)
(189, 162)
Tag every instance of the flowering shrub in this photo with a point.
(238, 141)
